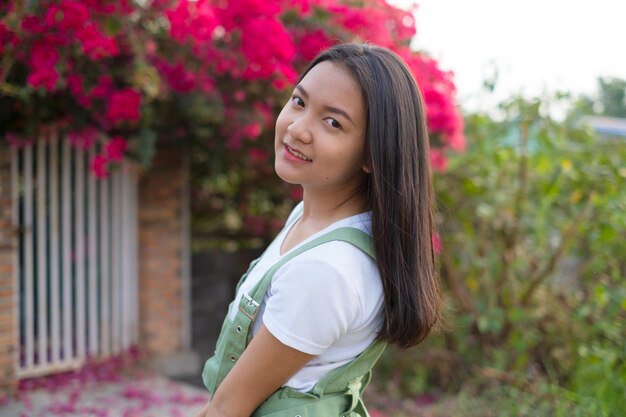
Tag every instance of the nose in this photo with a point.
(299, 129)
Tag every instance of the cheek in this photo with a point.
(281, 124)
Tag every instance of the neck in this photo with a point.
(326, 208)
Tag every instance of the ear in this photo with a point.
(366, 168)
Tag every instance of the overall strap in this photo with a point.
(290, 221)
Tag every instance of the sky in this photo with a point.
(535, 45)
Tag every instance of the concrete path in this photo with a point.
(149, 396)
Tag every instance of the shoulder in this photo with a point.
(339, 256)
(321, 295)
(336, 267)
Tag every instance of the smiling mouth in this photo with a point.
(297, 154)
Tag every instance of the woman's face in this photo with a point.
(320, 133)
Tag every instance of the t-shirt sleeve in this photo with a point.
(312, 303)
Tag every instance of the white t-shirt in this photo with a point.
(327, 301)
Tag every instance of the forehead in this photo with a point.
(333, 85)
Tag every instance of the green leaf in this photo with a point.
(112, 26)
(147, 78)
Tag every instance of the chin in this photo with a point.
(285, 176)
(281, 173)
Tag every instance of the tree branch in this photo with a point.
(558, 253)
(459, 291)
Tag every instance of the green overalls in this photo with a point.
(338, 393)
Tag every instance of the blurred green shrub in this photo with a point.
(533, 224)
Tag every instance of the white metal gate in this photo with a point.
(76, 263)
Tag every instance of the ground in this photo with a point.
(148, 396)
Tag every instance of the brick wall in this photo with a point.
(162, 315)
(8, 334)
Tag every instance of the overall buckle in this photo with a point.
(251, 303)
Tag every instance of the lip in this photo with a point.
(292, 157)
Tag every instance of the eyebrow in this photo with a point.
(330, 109)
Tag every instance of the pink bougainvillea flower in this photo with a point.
(95, 44)
(234, 139)
(237, 13)
(288, 72)
(67, 15)
(192, 21)
(258, 155)
(224, 63)
(75, 85)
(160, 5)
(176, 413)
(202, 26)
(265, 112)
(178, 18)
(239, 95)
(457, 141)
(181, 398)
(226, 43)
(252, 130)
(125, 7)
(302, 6)
(99, 166)
(84, 138)
(206, 83)
(33, 24)
(264, 57)
(280, 83)
(18, 141)
(134, 411)
(151, 47)
(365, 23)
(442, 116)
(438, 160)
(439, 91)
(42, 60)
(45, 77)
(437, 245)
(296, 193)
(7, 38)
(401, 23)
(115, 148)
(108, 7)
(179, 78)
(313, 43)
(103, 88)
(124, 106)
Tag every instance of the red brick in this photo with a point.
(160, 248)
(7, 339)
(6, 361)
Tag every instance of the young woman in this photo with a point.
(353, 268)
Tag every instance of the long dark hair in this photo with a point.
(398, 190)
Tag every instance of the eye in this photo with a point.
(297, 101)
(332, 122)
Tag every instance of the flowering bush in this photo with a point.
(533, 270)
(208, 72)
